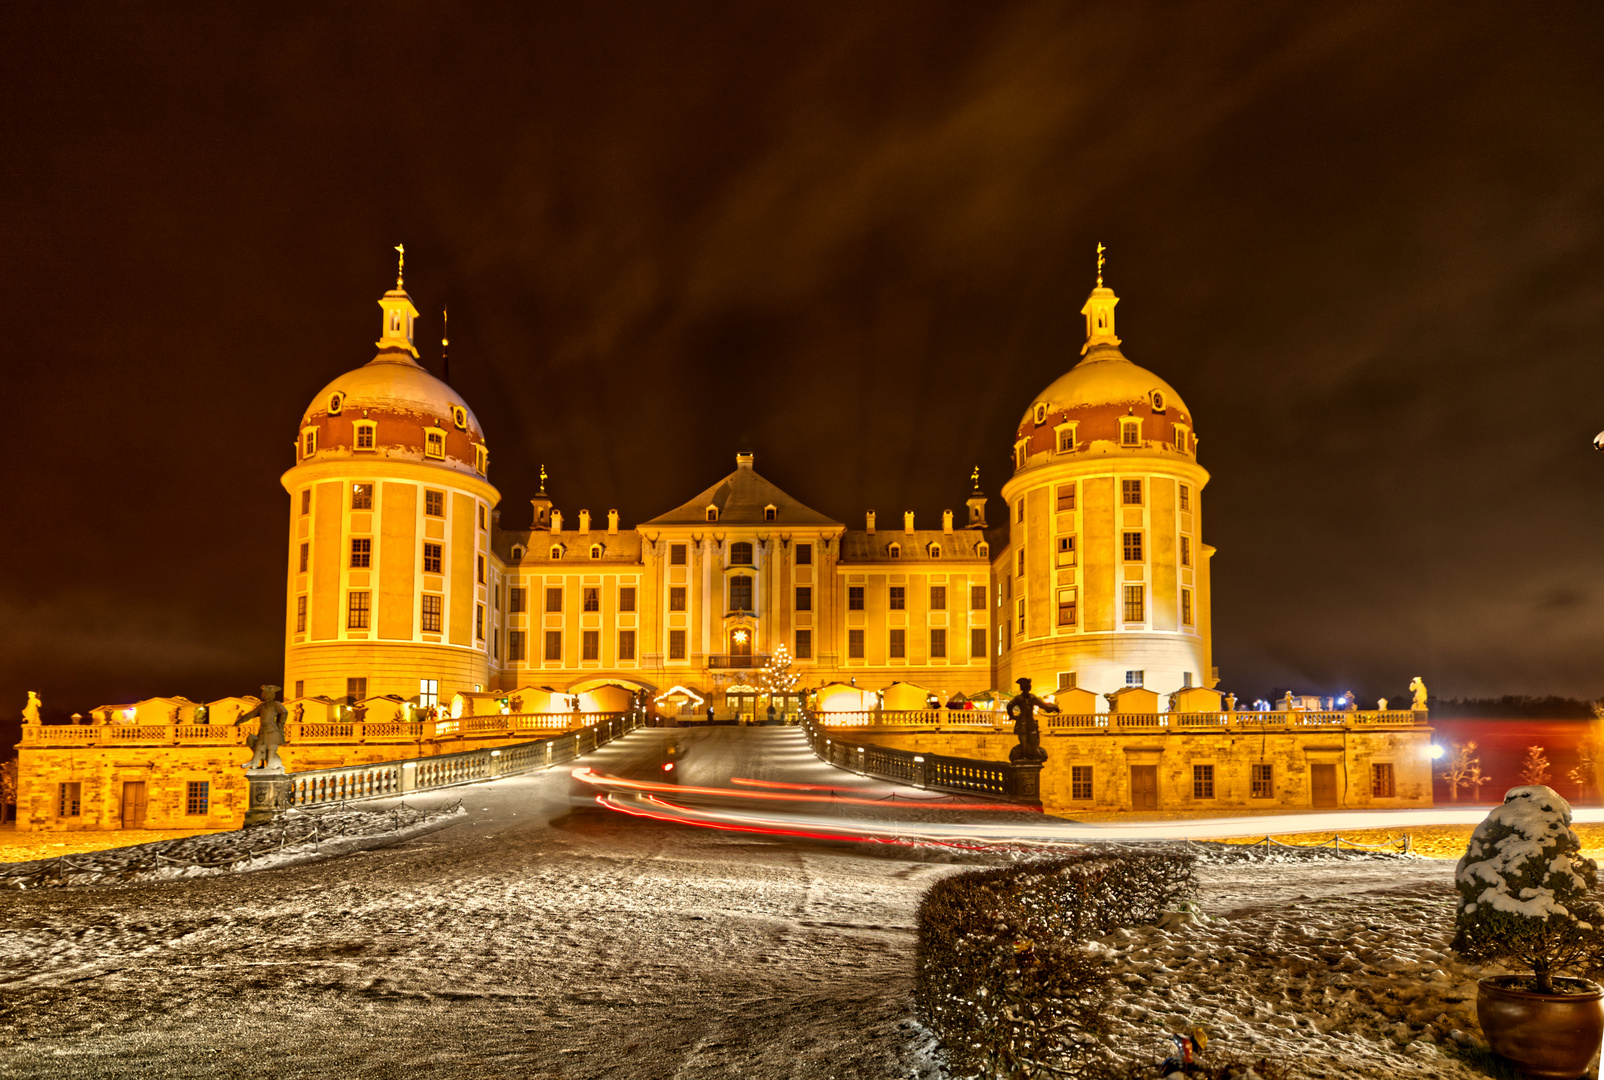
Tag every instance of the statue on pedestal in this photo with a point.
(30, 711)
(1022, 711)
(269, 735)
(1418, 688)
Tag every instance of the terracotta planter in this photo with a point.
(1549, 1036)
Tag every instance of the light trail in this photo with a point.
(591, 776)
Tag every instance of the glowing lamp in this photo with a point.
(1435, 751)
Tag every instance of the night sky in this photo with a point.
(1365, 242)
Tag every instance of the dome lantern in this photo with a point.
(399, 313)
(1099, 311)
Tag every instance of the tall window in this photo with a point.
(428, 692)
(432, 618)
(592, 599)
(364, 436)
(306, 554)
(1019, 559)
(938, 643)
(1019, 514)
(479, 621)
(554, 599)
(741, 554)
(626, 598)
(1133, 547)
(1066, 439)
(854, 597)
(361, 496)
(977, 643)
(434, 444)
(309, 444)
(676, 554)
(1066, 497)
(1020, 606)
(481, 569)
(434, 503)
(69, 799)
(197, 796)
(482, 524)
(1186, 498)
(432, 558)
(626, 645)
(676, 644)
(1080, 781)
(1130, 433)
(804, 554)
(899, 644)
(1135, 603)
(300, 688)
(1066, 551)
(1186, 551)
(554, 644)
(515, 646)
(855, 644)
(516, 598)
(590, 645)
(1180, 439)
(977, 598)
(804, 598)
(356, 689)
(361, 552)
(676, 598)
(1130, 492)
(1066, 607)
(938, 598)
(804, 644)
(1202, 781)
(898, 598)
(356, 610)
(300, 614)
(741, 593)
(306, 501)
(1186, 607)
(1381, 786)
(1263, 777)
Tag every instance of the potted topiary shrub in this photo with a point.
(1525, 898)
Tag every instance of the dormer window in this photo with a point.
(1039, 413)
(983, 549)
(770, 512)
(1158, 400)
(459, 417)
(1130, 432)
(712, 513)
(1066, 438)
(335, 401)
(935, 551)
(364, 438)
(434, 443)
(1021, 450)
(595, 551)
(481, 459)
(556, 551)
(1180, 438)
(517, 553)
(308, 442)
(895, 551)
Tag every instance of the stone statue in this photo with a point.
(1230, 703)
(270, 734)
(1381, 704)
(1022, 710)
(30, 711)
(1418, 688)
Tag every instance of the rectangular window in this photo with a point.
(938, 598)
(676, 644)
(554, 644)
(590, 645)
(898, 598)
(428, 692)
(197, 796)
(804, 644)
(1020, 608)
(517, 596)
(356, 690)
(1066, 551)
(1020, 562)
(592, 600)
(1130, 433)
(977, 598)
(306, 555)
(554, 599)
(1066, 439)
(1020, 513)
(309, 444)
(676, 554)
(479, 621)
(364, 436)
(1067, 614)
(1130, 492)
(1186, 607)
(432, 558)
(741, 593)
(356, 611)
(676, 598)
(306, 501)
(361, 552)
(300, 614)
(433, 606)
(1263, 781)
(300, 688)
(938, 643)
(1180, 439)
(515, 646)
(361, 496)
(977, 643)
(1066, 680)
(434, 503)
(855, 644)
(899, 644)
(482, 516)
(1202, 781)
(804, 554)
(1186, 551)
(1186, 499)
(1133, 547)
(626, 598)
(1381, 781)
(626, 644)
(1080, 781)
(481, 570)
(1066, 497)
(434, 444)
(854, 597)
(1134, 678)
(1135, 603)
(1186, 680)
(741, 554)
(804, 598)
(69, 802)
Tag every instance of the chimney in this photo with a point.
(556, 521)
(584, 521)
(946, 521)
(743, 461)
(612, 521)
(907, 521)
(871, 520)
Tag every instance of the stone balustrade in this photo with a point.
(1091, 723)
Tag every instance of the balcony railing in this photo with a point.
(1090, 723)
(737, 661)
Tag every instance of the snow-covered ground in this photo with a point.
(544, 936)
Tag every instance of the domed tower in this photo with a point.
(1105, 582)
(389, 532)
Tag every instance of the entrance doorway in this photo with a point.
(1144, 787)
(1323, 785)
(133, 816)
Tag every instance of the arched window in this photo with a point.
(935, 551)
(595, 551)
(556, 551)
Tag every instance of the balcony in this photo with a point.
(736, 661)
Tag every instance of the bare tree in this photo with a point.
(8, 788)
(1464, 768)
(1534, 770)
(1583, 775)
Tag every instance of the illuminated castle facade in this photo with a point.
(403, 584)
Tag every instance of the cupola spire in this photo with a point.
(399, 314)
(1099, 311)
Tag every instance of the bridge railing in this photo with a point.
(996, 778)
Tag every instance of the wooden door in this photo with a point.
(1144, 787)
(133, 804)
(1323, 784)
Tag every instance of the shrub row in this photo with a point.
(1002, 976)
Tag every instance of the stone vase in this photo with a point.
(1549, 1036)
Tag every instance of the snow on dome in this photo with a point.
(394, 383)
(1107, 378)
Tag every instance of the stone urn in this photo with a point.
(1549, 1036)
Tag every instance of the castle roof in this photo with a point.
(743, 498)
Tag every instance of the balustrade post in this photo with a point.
(409, 776)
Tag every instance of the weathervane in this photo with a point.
(1100, 250)
(975, 476)
(401, 265)
(542, 479)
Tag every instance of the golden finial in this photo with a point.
(445, 319)
(975, 476)
(542, 479)
(401, 265)
(1100, 250)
